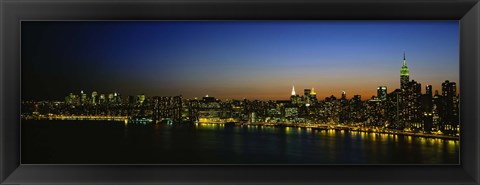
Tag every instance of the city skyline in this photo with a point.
(404, 71)
(298, 92)
(235, 60)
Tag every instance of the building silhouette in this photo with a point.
(382, 93)
(404, 73)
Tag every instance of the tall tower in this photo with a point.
(404, 74)
(313, 92)
(450, 103)
(313, 97)
(294, 97)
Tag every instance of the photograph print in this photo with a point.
(240, 92)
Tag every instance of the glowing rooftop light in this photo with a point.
(404, 71)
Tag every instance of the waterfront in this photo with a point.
(109, 142)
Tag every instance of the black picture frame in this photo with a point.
(14, 11)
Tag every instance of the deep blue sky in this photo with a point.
(235, 59)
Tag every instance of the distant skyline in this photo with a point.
(234, 59)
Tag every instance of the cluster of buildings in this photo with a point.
(404, 108)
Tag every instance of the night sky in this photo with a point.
(234, 59)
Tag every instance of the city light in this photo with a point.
(404, 110)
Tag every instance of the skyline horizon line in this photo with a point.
(325, 95)
(363, 98)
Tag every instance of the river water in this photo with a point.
(106, 142)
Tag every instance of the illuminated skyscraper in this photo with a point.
(110, 98)
(94, 97)
(404, 74)
(306, 96)
(117, 98)
(449, 88)
(411, 111)
(71, 99)
(438, 110)
(140, 99)
(344, 114)
(356, 107)
(394, 108)
(101, 99)
(313, 92)
(382, 93)
(450, 116)
(428, 90)
(313, 97)
(295, 98)
(426, 112)
(83, 97)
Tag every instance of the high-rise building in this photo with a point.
(295, 98)
(140, 99)
(313, 97)
(450, 116)
(357, 114)
(344, 114)
(71, 99)
(94, 97)
(177, 107)
(382, 93)
(131, 100)
(429, 117)
(306, 96)
(438, 111)
(375, 114)
(449, 88)
(83, 97)
(411, 104)
(306, 92)
(426, 112)
(428, 90)
(111, 98)
(101, 99)
(394, 109)
(404, 74)
(117, 98)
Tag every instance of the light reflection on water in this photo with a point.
(214, 143)
(427, 146)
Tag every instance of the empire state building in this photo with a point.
(404, 75)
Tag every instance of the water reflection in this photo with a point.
(377, 147)
(215, 143)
